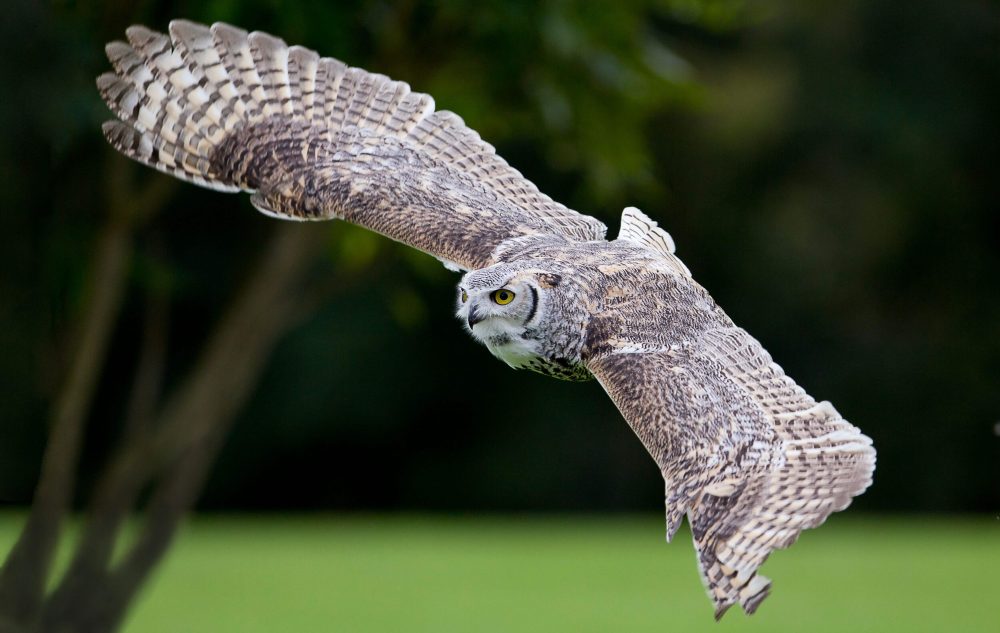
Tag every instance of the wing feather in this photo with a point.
(310, 136)
(746, 453)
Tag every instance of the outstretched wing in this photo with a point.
(317, 140)
(745, 452)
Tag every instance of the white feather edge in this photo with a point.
(640, 229)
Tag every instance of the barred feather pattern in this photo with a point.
(746, 454)
(187, 102)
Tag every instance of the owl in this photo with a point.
(746, 454)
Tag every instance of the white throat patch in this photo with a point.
(504, 341)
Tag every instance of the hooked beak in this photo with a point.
(474, 316)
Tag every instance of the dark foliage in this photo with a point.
(829, 174)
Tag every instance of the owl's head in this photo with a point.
(500, 302)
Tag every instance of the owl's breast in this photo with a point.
(559, 368)
(525, 352)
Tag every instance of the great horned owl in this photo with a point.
(747, 455)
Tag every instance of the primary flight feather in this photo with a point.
(746, 454)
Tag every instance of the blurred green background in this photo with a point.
(544, 574)
(829, 171)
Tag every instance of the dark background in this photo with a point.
(829, 173)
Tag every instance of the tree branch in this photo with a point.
(26, 570)
(187, 436)
(24, 574)
(148, 379)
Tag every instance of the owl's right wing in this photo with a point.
(314, 140)
(746, 453)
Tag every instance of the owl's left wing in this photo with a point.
(745, 452)
(314, 139)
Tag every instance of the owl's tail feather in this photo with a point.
(181, 97)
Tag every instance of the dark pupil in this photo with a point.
(503, 296)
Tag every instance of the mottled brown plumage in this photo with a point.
(746, 454)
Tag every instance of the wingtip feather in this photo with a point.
(138, 35)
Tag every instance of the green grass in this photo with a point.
(580, 574)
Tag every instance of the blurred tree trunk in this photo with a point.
(23, 577)
(25, 573)
(167, 453)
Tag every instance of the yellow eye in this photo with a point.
(465, 296)
(502, 296)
